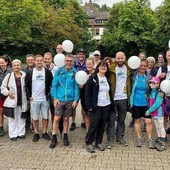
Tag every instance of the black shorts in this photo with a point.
(139, 111)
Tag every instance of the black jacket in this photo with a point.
(48, 82)
(91, 93)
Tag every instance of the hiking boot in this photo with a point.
(100, 147)
(138, 142)
(121, 141)
(110, 144)
(158, 140)
(73, 126)
(53, 141)
(46, 136)
(150, 144)
(36, 137)
(1, 131)
(90, 148)
(65, 140)
(161, 146)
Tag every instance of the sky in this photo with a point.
(154, 3)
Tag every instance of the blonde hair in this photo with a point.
(150, 58)
(90, 59)
(16, 61)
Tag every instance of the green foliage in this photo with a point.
(162, 31)
(36, 26)
(129, 28)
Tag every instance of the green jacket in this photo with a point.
(127, 88)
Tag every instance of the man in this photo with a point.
(38, 83)
(120, 75)
(79, 64)
(30, 65)
(65, 92)
(59, 49)
(97, 57)
(164, 73)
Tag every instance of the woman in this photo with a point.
(98, 100)
(159, 62)
(151, 64)
(89, 70)
(109, 61)
(4, 70)
(138, 103)
(15, 105)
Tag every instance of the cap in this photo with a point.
(96, 52)
(81, 50)
(155, 80)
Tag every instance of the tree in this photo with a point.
(129, 28)
(35, 26)
(162, 31)
(17, 19)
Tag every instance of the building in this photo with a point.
(96, 21)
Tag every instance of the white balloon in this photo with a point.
(134, 62)
(59, 60)
(81, 77)
(165, 86)
(67, 46)
(169, 44)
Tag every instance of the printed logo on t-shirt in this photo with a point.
(121, 75)
(103, 83)
(40, 77)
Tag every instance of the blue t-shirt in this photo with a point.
(140, 98)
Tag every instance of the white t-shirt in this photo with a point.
(38, 85)
(167, 75)
(103, 96)
(121, 78)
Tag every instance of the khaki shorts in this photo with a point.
(64, 109)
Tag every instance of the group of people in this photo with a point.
(111, 90)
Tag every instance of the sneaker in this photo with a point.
(53, 141)
(158, 140)
(13, 139)
(36, 137)
(65, 140)
(150, 144)
(161, 146)
(73, 126)
(168, 131)
(46, 136)
(100, 147)
(83, 125)
(90, 148)
(121, 141)
(22, 137)
(138, 142)
(110, 144)
(1, 131)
